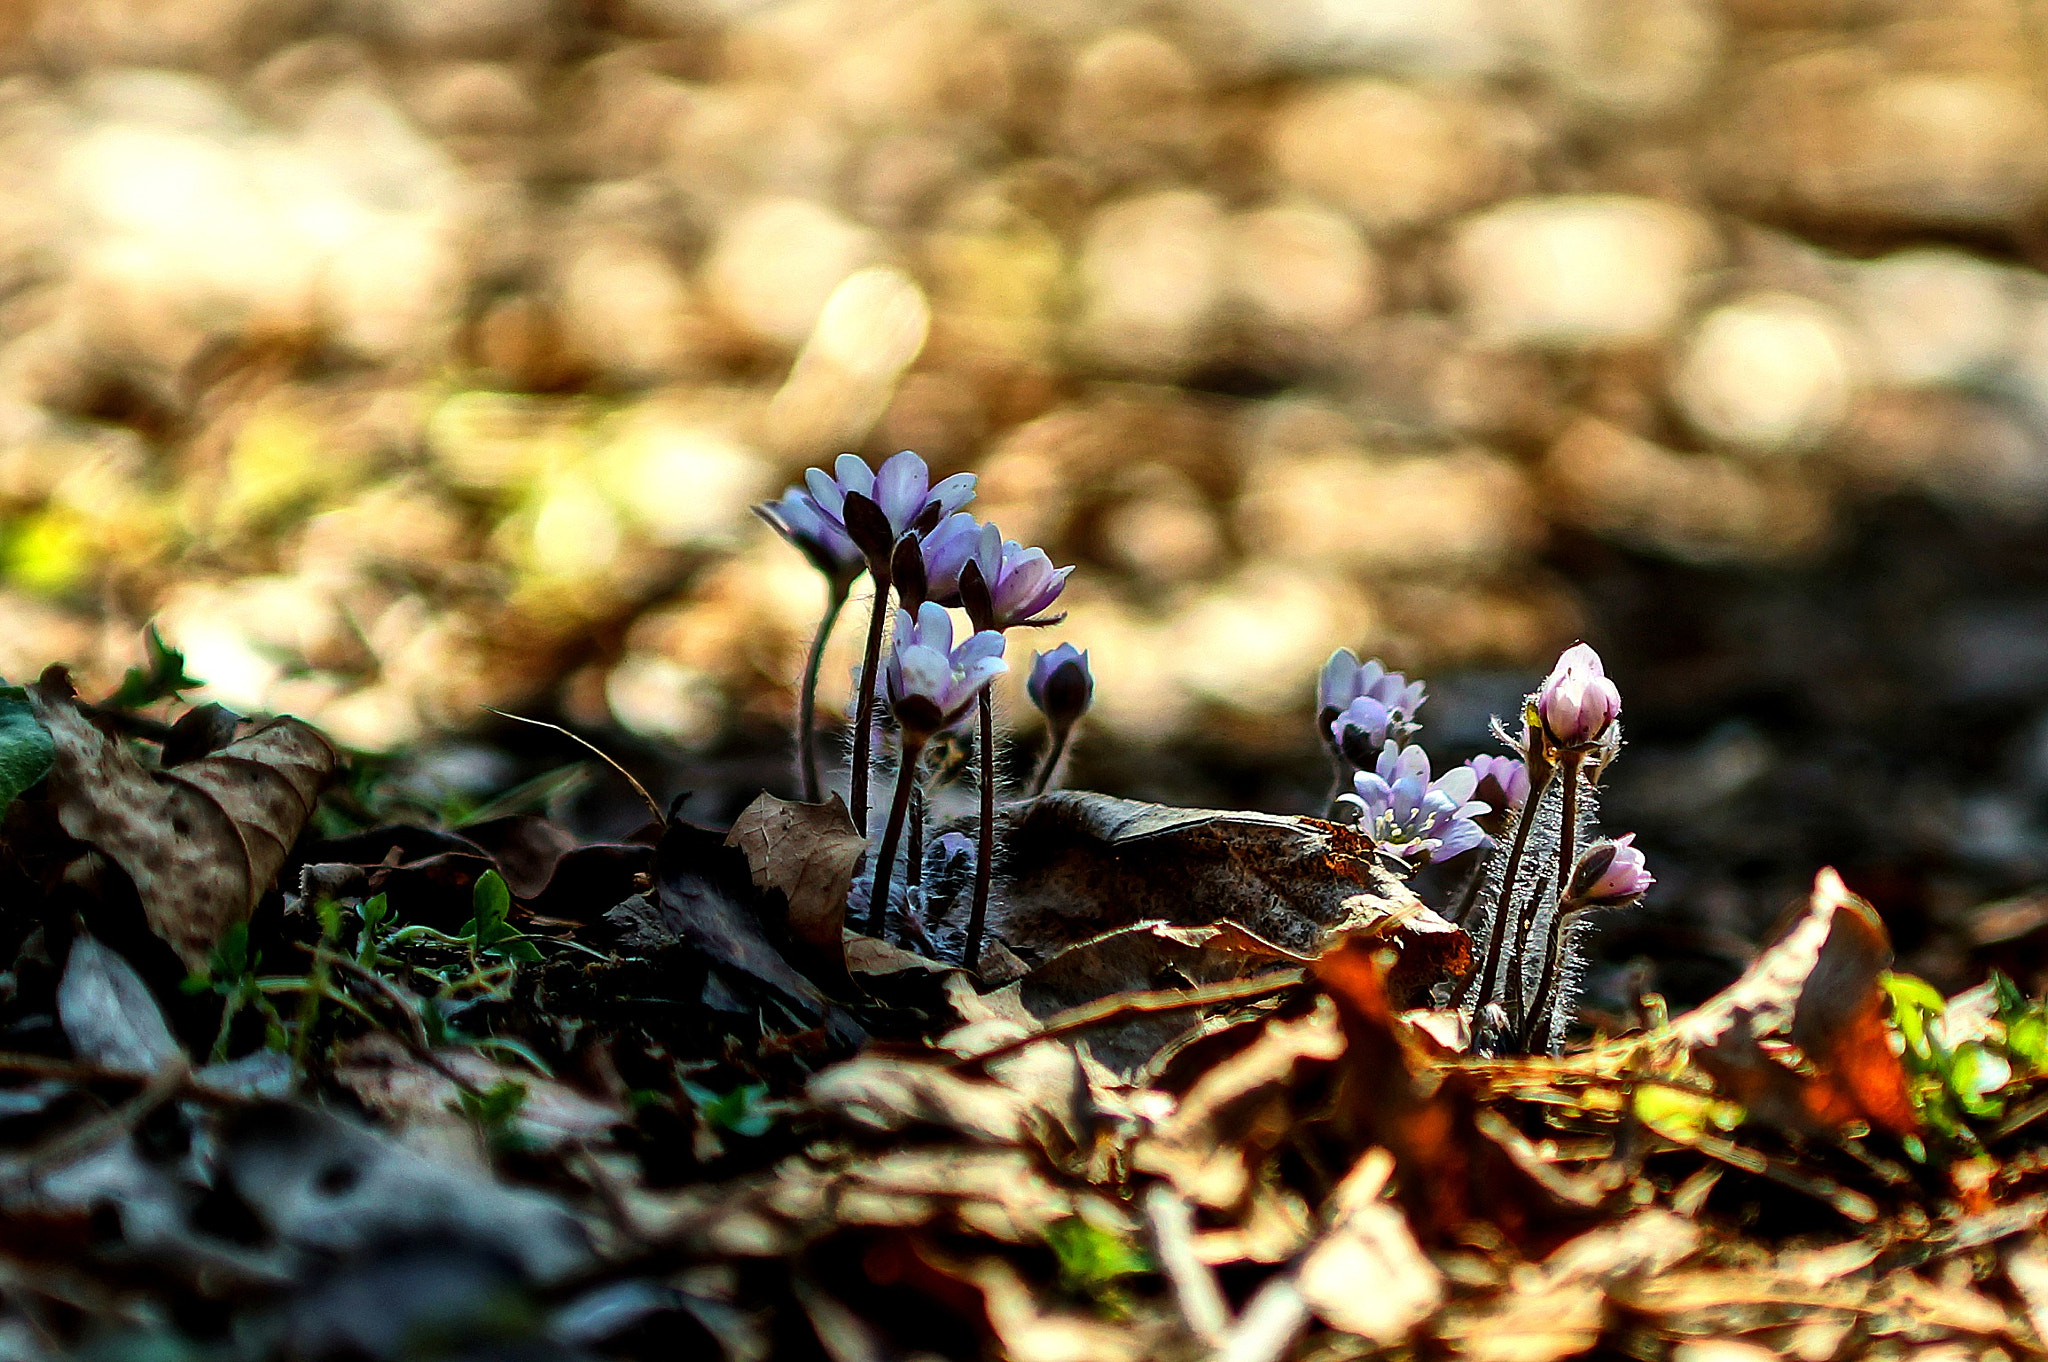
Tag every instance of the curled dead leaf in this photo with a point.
(805, 855)
(201, 842)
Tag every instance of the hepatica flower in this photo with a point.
(1345, 681)
(1060, 684)
(1414, 817)
(1576, 704)
(819, 537)
(931, 683)
(947, 549)
(1610, 874)
(902, 488)
(1010, 585)
(1503, 782)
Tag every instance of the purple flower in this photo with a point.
(1010, 584)
(1610, 874)
(931, 683)
(1503, 781)
(1061, 684)
(1345, 679)
(1360, 732)
(1413, 817)
(1576, 703)
(814, 534)
(947, 549)
(901, 490)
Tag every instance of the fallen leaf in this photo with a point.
(1369, 1242)
(109, 1015)
(202, 842)
(1817, 986)
(1076, 864)
(805, 855)
(26, 751)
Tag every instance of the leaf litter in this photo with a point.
(280, 1086)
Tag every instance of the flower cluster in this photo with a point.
(912, 537)
(1411, 816)
(1363, 706)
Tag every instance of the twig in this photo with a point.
(1202, 1307)
(659, 815)
(1146, 1002)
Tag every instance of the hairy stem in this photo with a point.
(985, 851)
(864, 717)
(1538, 1017)
(807, 699)
(885, 860)
(1053, 752)
(1496, 930)
(913, 857)
(1518, 977)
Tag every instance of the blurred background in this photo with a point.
(407, 356)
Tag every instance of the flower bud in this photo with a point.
(1061, 685)
(1609, 874)
(1361, 731)
(1576, 704)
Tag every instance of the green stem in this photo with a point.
(864, 716)
(985, 853)
(885, 861)
(807, 700)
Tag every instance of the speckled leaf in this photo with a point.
(201, 842)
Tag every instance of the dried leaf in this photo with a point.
(807, 854)
(202, 842)
(1078, 864)
(1816, 985)
(109, 1015)
(1369, 1241)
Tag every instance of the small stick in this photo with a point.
(1144, 1002)
(602, 755)
(807, 699)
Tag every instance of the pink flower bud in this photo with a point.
(1577, 703)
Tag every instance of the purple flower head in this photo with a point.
(1503, 781)
(1412, 816)
(947, 549)
(1006, 585)
(820, 538)
(1610, 874)
(1360, 732)
(1576, 704)
(1345, 680)
(898, 499)
(1061, 684)
(931, 683)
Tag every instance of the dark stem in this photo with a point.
(885, 860)
(1470, 893)
(1566, 852)
(1540, 1025)
(1053, 753)
(1518, 976)
(1340, 785)
(985, 852)
(864, 716)
(1496, 930)
(807, 700)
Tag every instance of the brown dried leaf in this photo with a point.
(1369, 1241)
(806, 854)
(1078, 864)
(202, 842)
(1816, 985)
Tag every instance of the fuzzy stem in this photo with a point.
(864, 718)
(1470, 893)
(1496, 930)
(1538, 1016)
(913, 869)
(885, 860)
(985, 852)
(1053, 753)
(807, 699)
(1518, 977)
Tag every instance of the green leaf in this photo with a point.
(491, 901)
(743, 1111)
(1975, 1075)
(26, 751)
(163, 677)
(1093, 1261)
(1913, 1002)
